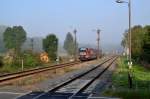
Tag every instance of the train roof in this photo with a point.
(84, 48)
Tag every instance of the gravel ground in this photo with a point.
(51, 79)
(59, 76)
(46, 85)
(103, 82)
(76, 85)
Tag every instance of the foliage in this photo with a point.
(128, 94)
(124, 42)
(140, 75)
(146, 45)
(50, 45)
(14, 38)
(140, 42)
(137, 41)
(120, 77)
(2, 47)
(30, 59)
(141, 82)
(9, 69)
(10, 57)
(69, 44)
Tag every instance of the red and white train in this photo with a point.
(87, 54)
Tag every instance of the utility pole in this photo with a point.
(129, 42)
(130, 61)
(98, 43)
(32, 40)
(75, 32)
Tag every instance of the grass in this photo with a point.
(12, 69)
(140, 78)
(9, 69)
(129, 94)
(140, 75)
(120, 77)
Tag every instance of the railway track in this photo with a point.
(13, 76)
(58, 92)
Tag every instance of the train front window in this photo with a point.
(82, 52)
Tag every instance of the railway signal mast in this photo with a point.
(75, 32)
(32, 46)
(98, 43)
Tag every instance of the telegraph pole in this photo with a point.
(129, 42)
(75, 32)
(32, 40)
(130, 60)
(98, 43)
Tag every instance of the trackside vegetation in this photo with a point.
(140, 43)
(141, 82)
(69, 44)
(15, 57)
(50, 45)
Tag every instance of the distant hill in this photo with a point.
(2, 30)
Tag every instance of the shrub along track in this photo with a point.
(7, 78)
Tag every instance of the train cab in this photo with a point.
(87, 54)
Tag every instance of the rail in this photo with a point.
(16, 75)
(53, 90)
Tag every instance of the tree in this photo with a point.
(124, 42)
(136, 40)
(50, 45)
(14, 38)
(69, 44)
(146, 45)
(2, 30)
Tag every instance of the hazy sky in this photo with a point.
(40, 17)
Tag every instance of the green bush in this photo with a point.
(30, 60)
(13, 64)
(129, 94)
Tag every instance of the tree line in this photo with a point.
(14, 37)
(140, 43)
